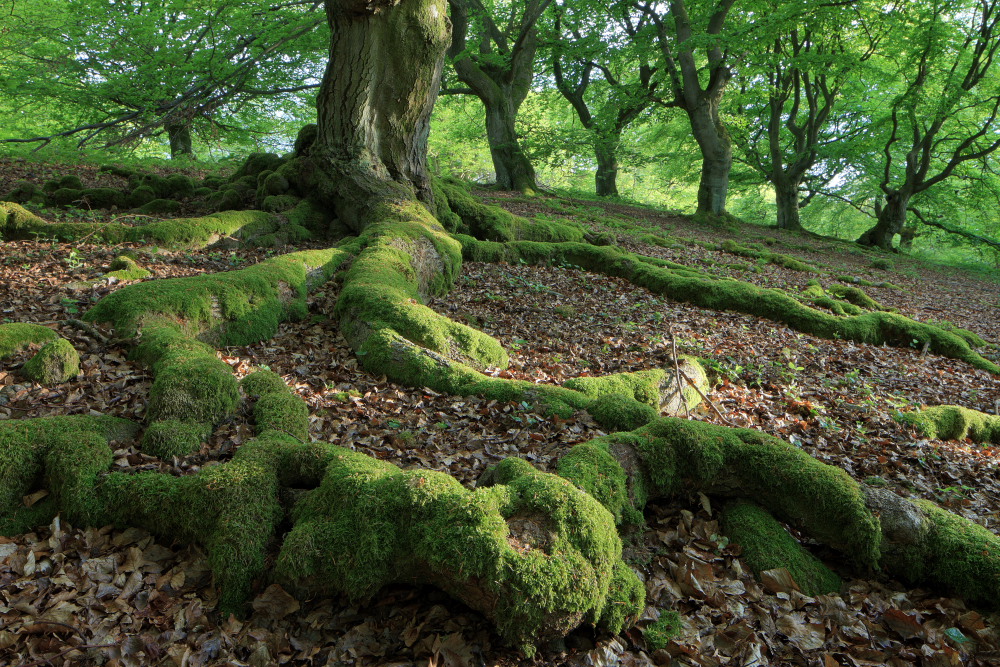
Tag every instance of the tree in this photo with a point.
(680, 36)
(788, 98)
(130, 70)
(945, 111)
(537, 553)
(579, 47)
(498, 68)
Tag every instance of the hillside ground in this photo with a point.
(104, 596)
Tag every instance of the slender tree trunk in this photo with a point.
(514, 170)
(890, 221)
(716, 156)
(607, 167)
(375, 102)
(786, 196)
(180, 140)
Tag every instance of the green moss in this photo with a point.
(643, 386)
(57, 361)
(311, 216)
(179, 185)
(875, 328)
(160, 207)
(962, 556)
(255, 164)
(66, 197)
(231, 308)
(71, 181)
(102, 198)
(767, 545)
(140, 196)
(883, 264)
(25, 192)
(124, 267)
(278, 203)
(19, 336)
(492, 223)
(778, 259)
(667, 627)
(282, 411)
(192, 387)
(172, 437)
(24, 446)
(856, 296)
(621, 412)
(593, 468)
(544, 553)
(953, 422)
(115, 170)
(262, 382)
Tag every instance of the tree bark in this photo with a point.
(889, 222)
(180, 140)
(375, 102)
(786, 196)
(607, 167)
(717, 154)
(513, 168)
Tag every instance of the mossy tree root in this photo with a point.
(953, 422)
(875, 328)
(876, 529)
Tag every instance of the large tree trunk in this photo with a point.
(514, 170)
(716, 156)
(607, 167)
(786, 196)
(375, 102)
(890, 221)
(180, 140)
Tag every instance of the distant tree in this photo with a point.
(603, 69)
(130, 69)
(493, 53)
(944, 103)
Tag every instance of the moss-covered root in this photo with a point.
(659, 276)
(16, 223)
(19, 336)
(669, 456)
(231, 308)
(407, 256)
(277, 408)
(953, 422)
(124, 267)
(532, 553)
(492, 223)
(231, 509)
(54, 453)
(57, 361)
(767, 545)
(926, 545)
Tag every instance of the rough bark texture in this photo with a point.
(786, 196)
(716, 156)
(180, 139)
(375, 102)
(607, 168)
(890, 221)
(513, 168)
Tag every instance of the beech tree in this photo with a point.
(537, 553)
(493, 53)
(944, 111)
(628, 84)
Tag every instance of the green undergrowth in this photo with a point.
(875, 328)
(55, 362)
(767, 256)
(953, 422)
(533, 553)
(766, 545)
(17, 223)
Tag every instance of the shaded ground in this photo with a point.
(111, 597)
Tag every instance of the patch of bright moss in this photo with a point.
(370, 524)
(172, 437)
(621, 412)
(658, 634)
(124, 267)
(57, 361)
(767, 545)
(953, 422)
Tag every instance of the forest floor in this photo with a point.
(71, 596)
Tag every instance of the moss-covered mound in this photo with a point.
(57, 361)
(953, 422)
(532, 553)
(18, 336)
(766, 545)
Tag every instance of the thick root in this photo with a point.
(532, 553)
(952, 422)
